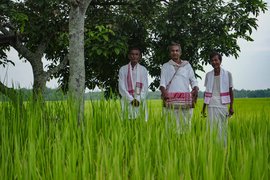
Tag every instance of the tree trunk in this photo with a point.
(76, 56)
(39, 84)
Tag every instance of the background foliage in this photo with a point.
(57, 94)
(111, 27)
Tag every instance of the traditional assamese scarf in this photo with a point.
(138, 84)
(224, 87)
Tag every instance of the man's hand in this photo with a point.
(164, 93)
(194, 93)
(231, 111)
(135, 103)
(203, 114)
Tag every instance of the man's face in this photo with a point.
(175, 52)
(134, 56)
(215, 62)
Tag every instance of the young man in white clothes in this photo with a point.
(177, 76)
(133, 86)
(218, 95)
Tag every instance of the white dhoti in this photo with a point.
(132, 112)
(218, 121)
(178, 118)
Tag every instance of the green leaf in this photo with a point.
(99, 51)
(117, 51)
(105, 37)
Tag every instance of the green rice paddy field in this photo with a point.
(44, 142)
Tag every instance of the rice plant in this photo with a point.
(44, 141)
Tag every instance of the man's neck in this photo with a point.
(133, 64)
(217, 71)
(178, 61)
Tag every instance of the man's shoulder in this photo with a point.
(209, 72)
(123, 69)
(124, 66)
(166, 64)
(226, 71)
(186, 63)
(142, 66)
(229, 74)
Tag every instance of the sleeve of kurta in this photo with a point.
(121, 85)
(206, 80)
(145, 85)
(230, 79)
(193, 81)
(162, 77)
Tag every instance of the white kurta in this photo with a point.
(183, 80)
(126, 98)
(217, 111)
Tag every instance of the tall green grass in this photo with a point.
(45, 142)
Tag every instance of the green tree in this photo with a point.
(113, 27)
(32, 28)
(201, 27)
(42, 27)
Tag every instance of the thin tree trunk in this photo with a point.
(76, 55)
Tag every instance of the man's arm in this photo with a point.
(231, 111)
(121, 86)
(164, 92)
(194, 92)
(203, 110)
(194, 85)
(144, 90)
(192, 79)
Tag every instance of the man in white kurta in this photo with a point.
(216, 99)
(177, 76)
(218, 95)
(133, 87)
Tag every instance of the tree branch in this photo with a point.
(6, 39)
(74, 3)
(4, 30)
(115, 2)
(42, 47)
(120, 2)
(18, 45)
(56, 68)
(166, 2)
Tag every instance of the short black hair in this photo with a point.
(134, 48)
(214, 53)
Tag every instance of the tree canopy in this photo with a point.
(32, 28)
(111, 26)
(201, 27)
